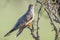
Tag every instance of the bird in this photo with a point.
(24, 21)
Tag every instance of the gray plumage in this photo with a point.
(23, 21)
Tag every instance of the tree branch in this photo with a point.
(54, 26)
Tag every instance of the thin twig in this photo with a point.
(54, 26)
(37, 37)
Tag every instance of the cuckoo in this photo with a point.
(24, 21)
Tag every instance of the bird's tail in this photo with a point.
(20, 31)
(10, 32)
(13, 29)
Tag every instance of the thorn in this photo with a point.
(36, 4)
(15, 36)
(51, 23)
(52, 30)
(59, 29)
(38, 27)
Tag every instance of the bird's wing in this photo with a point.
(24, 21)
(28, 17)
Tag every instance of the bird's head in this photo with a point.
(31, 7)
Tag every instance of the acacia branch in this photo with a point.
(37, 33)
(49, 12)
(38, 23)
(54, 26)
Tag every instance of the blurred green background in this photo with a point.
(12, 10)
